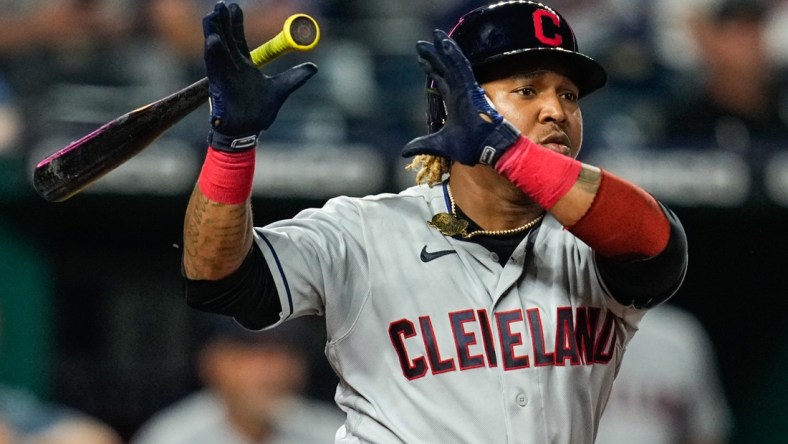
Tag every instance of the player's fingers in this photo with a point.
(429, 59)
(217, 55)
(292, 79)
(226, 32)
(237, 22)
(431, 63)
(217, 49)
(211, 23)
(280, 88)
(452, 57)
(440, 37)
(445, 47)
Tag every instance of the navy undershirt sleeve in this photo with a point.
(648, 282)
(248, 294)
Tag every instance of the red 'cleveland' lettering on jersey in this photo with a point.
(580, 339)
(539, 16)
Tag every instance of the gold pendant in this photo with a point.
(448, 225)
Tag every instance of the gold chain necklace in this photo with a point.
(450, 225)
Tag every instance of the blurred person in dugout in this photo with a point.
(31, 24)
(47, 47)
(27, 419)
(10, 124)
(254, 392)
(739, 103)
(43, 42)
(668, 389)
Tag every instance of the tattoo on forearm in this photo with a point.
(215, 234)
(589, 179)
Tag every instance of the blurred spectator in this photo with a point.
(777, 34)
(61, 60)
(667, 390)
(35, 24)
(672, 36)
(46, 40)
(10, 125)
(738, 102)
(254, 384)
(627, 115)
(26, 419)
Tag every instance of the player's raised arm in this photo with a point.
(244, 101)
(576, 194)
(524, 123)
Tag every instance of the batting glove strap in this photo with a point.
(222, 142)
(497, 142)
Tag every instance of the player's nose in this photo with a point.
(551, 108)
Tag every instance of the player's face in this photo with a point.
(254, 380)
(543, 105)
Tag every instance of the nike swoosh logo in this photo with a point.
(427, 256)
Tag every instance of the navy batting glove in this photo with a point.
(243, 100)
(466, 137)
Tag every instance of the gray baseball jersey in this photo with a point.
(433, 340)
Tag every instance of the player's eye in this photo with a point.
(526, 91)
(570, 96)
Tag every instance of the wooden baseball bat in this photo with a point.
(82, 162)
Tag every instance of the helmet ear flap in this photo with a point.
(436, 108)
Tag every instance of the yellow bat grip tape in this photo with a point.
(285, 41)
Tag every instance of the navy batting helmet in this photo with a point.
(509, 30)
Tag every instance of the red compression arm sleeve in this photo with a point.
(542, 174)
(624, 222)
(227, 177)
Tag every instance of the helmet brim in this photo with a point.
(586, 72)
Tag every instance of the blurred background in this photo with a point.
(92, 318)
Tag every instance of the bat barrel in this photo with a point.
(74, 167)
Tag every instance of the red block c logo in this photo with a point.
(539, 16)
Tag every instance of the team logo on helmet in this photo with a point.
(539, 17)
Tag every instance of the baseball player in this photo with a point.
(492, 302)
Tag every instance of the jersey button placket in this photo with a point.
(521, 399)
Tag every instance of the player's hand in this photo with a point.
(243, 100)
(474, 131)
